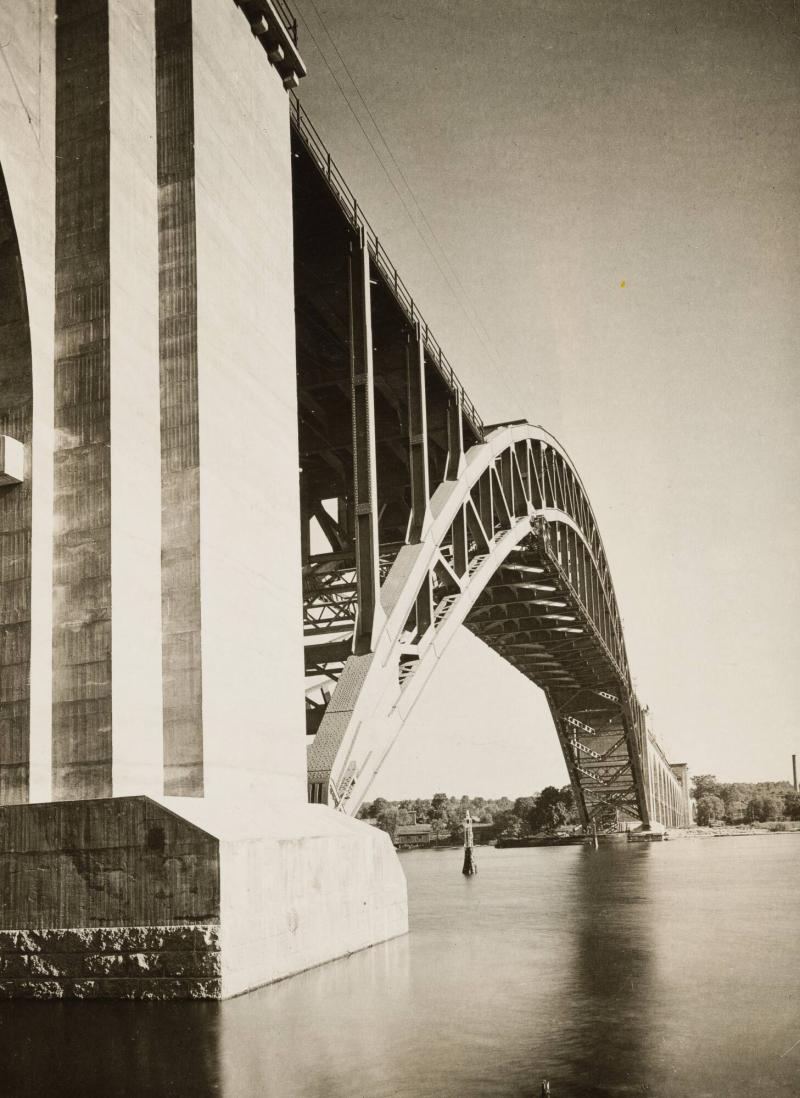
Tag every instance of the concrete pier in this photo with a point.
(155, 839)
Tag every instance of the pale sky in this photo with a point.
(557, 149)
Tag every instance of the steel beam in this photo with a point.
(460, 550)
(455, 437)
(423, 608)
(305, 521)
(578, 790)
(632, 719)
(485, 504)
(365, 485)
(418, 436)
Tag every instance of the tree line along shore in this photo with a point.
(736, 803)
(543, 812)
(717, 805)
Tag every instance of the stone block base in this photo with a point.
(126, 898)
(136, 962)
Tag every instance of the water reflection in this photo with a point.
(667, 970)
(606, 1005)
(128, 1050)
(301, 1034)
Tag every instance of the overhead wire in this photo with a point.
(404, 178)
(371, 144)
(484, 339)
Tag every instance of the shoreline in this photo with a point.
(722, 832)
(728, 832)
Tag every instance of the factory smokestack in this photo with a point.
(794, 771)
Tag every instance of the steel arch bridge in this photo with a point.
(433, 521)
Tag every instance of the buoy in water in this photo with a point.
(470, 868)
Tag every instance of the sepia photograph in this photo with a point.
(399, 548)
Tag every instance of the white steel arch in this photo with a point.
(510, 547)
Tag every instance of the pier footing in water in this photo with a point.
(126, 898)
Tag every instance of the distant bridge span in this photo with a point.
(434, 521)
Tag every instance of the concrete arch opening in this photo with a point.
(16, 425)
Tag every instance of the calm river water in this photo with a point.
(633, 970)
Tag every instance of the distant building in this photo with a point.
(483, 832)
(411, 835)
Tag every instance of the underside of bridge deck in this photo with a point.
(416, 518)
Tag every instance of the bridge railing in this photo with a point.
(288, 18)
(355, 215)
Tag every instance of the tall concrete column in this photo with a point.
(16, 514)
(27, 156)
(160, 348)
(106, 737)
(251, 603)
(681, 772)
(136, 513)
(82, 748)
(181, 644)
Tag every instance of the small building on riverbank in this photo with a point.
(412, 835)
(483, 833)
